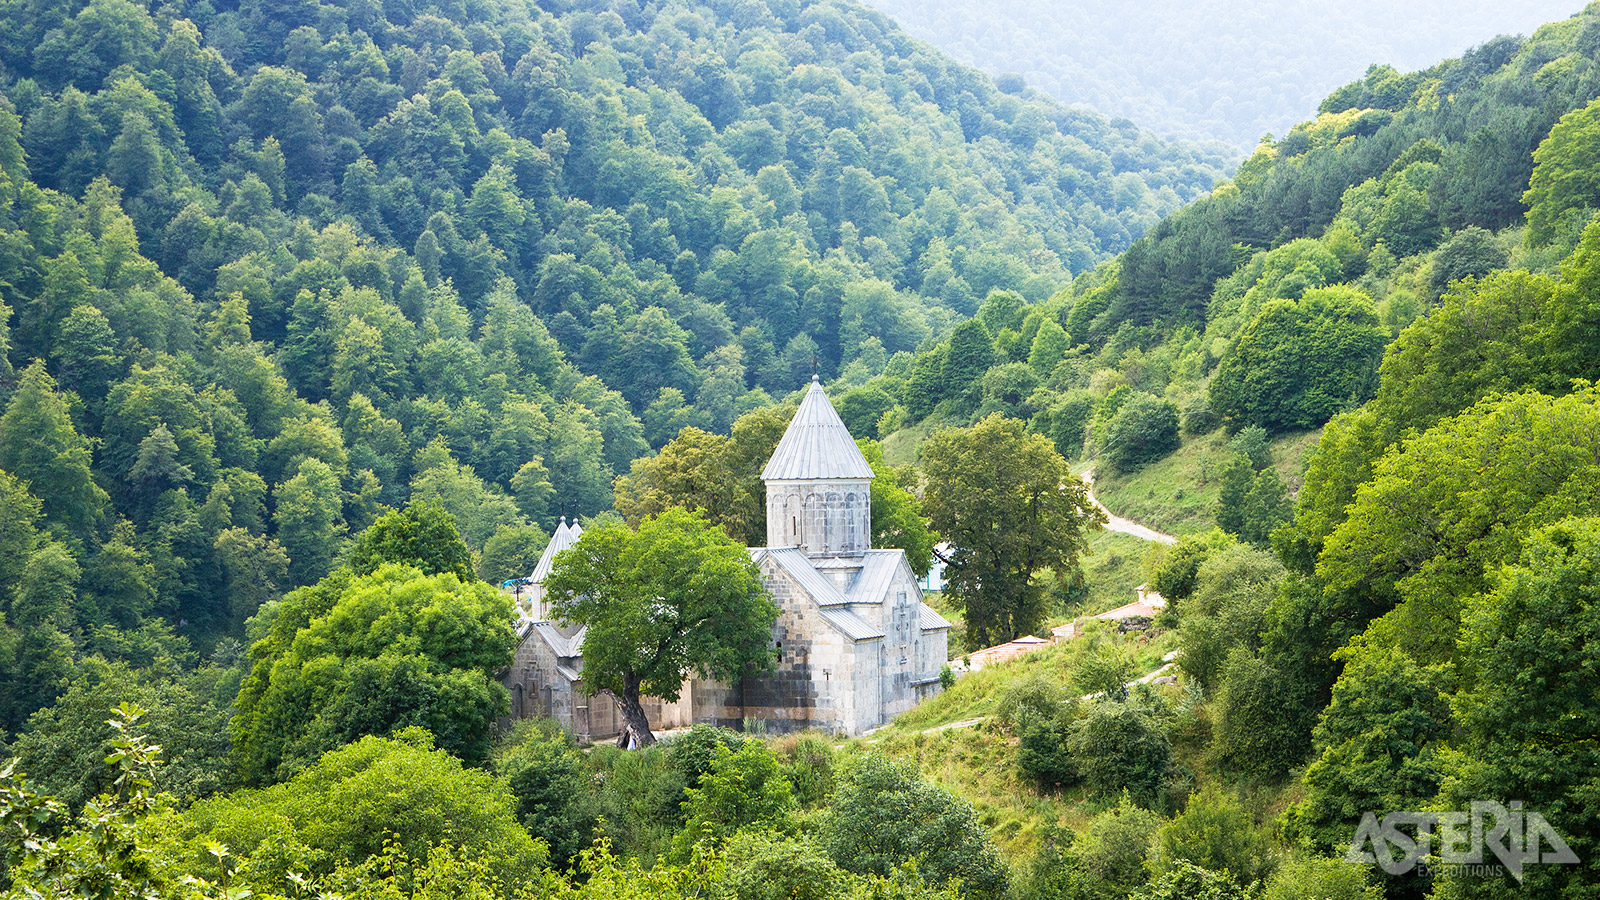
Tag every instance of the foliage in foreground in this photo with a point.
(398, 819)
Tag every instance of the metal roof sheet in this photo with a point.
(878, 569)
(552, 638)
(851, 625)
(932, 621)
(565, 536)
(565, 648)
(795, 564)
(816, 445)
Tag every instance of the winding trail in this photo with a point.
(1115, 522)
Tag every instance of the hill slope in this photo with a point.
(270, 267)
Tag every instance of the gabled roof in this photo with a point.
(565, 536)
(931, 620)
(563, 648)
(851, 625)
(795, 564)
(816, 445)
(878, 570)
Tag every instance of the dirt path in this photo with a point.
(1115, 522)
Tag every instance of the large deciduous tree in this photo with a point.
(423, 535)
(39, 445)
(1010, 508)
(1300, 361)
(676, 596)
(1527, 651)
(353, 656)
(719, 475)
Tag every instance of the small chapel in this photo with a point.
(855, 644)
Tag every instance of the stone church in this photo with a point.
(856, 645)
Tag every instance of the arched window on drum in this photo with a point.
(852, 524)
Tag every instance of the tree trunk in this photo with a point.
(635, 727)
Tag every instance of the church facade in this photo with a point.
(855, 644)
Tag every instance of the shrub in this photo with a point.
(1191, 882)
(1112, 851)
(1214, 833)
(808, 763)
(1027, 700)
(545, 772)
(1227, 609)
(641, 798)
(885, 815)
(744, 786)
(1044, 752)
(1263, 725)
(693, 752)
(1144, 430)
(764, 867)
(1320, 879)
(1105, 671)
(1175, 569)
(1119, 748)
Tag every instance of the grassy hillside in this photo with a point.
(977, 761)
(1179, 493)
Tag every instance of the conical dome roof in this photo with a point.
(565, 536)
(817, 445)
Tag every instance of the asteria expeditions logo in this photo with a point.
(1402, 841)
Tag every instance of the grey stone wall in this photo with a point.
(826, 517)
(539, 690)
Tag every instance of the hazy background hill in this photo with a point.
(1208, 70)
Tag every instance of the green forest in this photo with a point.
(270, 271)
(315, 319)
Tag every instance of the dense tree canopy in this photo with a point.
(356, 302)
(369, 655)
(351, 802)
(1525, 709)
(1566, 173)
(1299, 362)
(423, 535)
(271, 269)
